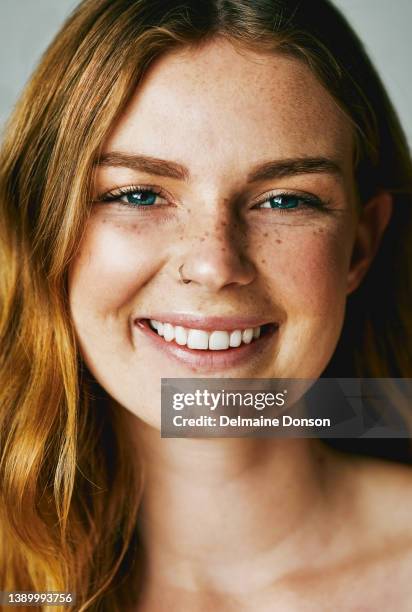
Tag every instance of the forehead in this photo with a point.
(222, 104)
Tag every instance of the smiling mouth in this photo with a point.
(208, 340)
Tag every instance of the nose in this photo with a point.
(216, 254)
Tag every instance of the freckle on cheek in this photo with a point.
(278, 241)
(265, 234)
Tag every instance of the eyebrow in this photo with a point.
(292, 167)
(264, 171)
(142, 163)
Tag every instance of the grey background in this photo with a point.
(27, 26)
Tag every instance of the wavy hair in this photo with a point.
(69, 496)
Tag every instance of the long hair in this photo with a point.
(69, 496)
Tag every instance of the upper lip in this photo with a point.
(208, 323)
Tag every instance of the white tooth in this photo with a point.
(168, 332)
(247, 335)
(219, 340)
(256, 332)
(198, 339)
(180, 335)
(160, 327)
(235, 338)
(154, 324)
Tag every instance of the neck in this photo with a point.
(213, 509)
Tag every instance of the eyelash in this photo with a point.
(307, 200)
(114, 196)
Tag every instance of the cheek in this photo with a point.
(309, 270)
(319, 274)
(307, 278)
(113, 261)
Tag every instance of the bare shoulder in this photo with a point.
(385, 491)
(383, 500)
(376, 552)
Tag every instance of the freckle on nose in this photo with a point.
(278, 241)
(263, 261)
(265, 234)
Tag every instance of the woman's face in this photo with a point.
(239, 169)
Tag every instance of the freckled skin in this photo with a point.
(219, 128)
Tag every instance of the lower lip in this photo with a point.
(206, 359)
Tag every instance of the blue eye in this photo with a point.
(144, 197)
(286, 201)
(134, 197)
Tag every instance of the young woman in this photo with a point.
(176, 175)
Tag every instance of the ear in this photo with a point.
(372, 222)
